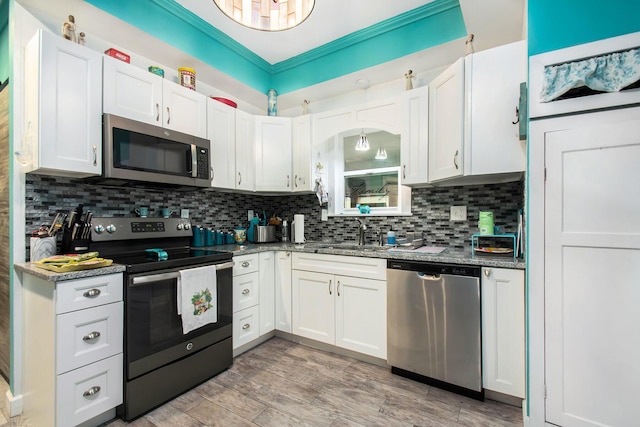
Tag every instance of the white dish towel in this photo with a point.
(197, 297)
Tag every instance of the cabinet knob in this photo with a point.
(91, 336)
(245, 291)
(487, 272)
(246, 326)
(91, 293)
(93, 390)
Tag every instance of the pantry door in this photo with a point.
(592, 275)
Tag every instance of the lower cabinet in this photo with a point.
(73, 343)
(346, 311)
(282, 286)
(246, 299)
(503, 331)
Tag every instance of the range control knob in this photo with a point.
(111, 228)
(180, 226)
(187, 226)
(99, 229)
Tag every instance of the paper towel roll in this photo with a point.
(298, 228)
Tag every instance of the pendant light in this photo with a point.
(267, 15)
(362, 144)
(381, 154)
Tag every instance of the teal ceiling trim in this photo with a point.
(178, 27)
(380, 43)
(427, 26)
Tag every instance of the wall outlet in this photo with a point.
(458, 213)
(324, 215)
(249, 214)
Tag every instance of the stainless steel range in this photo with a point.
(161, 361)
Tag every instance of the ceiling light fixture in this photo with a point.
(267, 15)
(362, 144)
(381, 154)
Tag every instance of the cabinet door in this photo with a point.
(301, 152)
(283, 291)
(273, 153)
(361, 315)
(267, 292)
(184, 110)
(446, 123)
(592, 271)
(503, 331)
(245, 153)
(131, 92)
(313, 306)
(221, 131)
(493, 145)
(414, 137)
(63, 106)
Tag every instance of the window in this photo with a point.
(369, 177)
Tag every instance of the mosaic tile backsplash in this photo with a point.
(430, 208)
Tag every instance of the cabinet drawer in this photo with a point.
(246, 291)
(244, 264)
(246, 326)
(88, 292)
(89, 391)
(86, 336)
(368, 268)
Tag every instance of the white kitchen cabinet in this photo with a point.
(63, 107)
(273, 154)
(221, 132)
(139, 95)
(245, 152)
(348, 311)
(246, 299)
(446, 122)
(503, 331)
(282, 288)
(73, 343)
(492, 144)
(303, 180)
(414, 136)
(473, 129)
(267, 292)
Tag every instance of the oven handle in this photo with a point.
(173, 275)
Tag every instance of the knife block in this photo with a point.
(73, 246)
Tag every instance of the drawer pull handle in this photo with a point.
(245, 291)
(246, 326)
(93, 390)
(91, 336)
(91, 293)
(245, 264)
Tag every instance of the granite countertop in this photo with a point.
(448, 256)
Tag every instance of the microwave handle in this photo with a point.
(194, 161)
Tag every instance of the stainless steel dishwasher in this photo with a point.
(433, 324)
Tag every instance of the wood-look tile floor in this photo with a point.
(281, 383)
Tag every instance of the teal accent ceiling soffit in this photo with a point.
(424, 27)
(427, 26)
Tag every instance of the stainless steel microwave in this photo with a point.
(135, 151)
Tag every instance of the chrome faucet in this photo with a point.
(361, 230)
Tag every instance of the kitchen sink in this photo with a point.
(347, 247)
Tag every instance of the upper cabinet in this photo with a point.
(63, 107)
(273, 154)
(221, 131)
(303, 180)
(446, 122)
(473, 125)
(414, 118)
(245, 152)
(137, 94)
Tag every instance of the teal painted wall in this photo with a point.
(557, 24)
(5, 63)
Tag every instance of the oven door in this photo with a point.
(153, 327)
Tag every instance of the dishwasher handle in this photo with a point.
(430, 277)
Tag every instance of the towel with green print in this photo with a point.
(196, 297)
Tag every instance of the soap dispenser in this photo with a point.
(391, 237)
